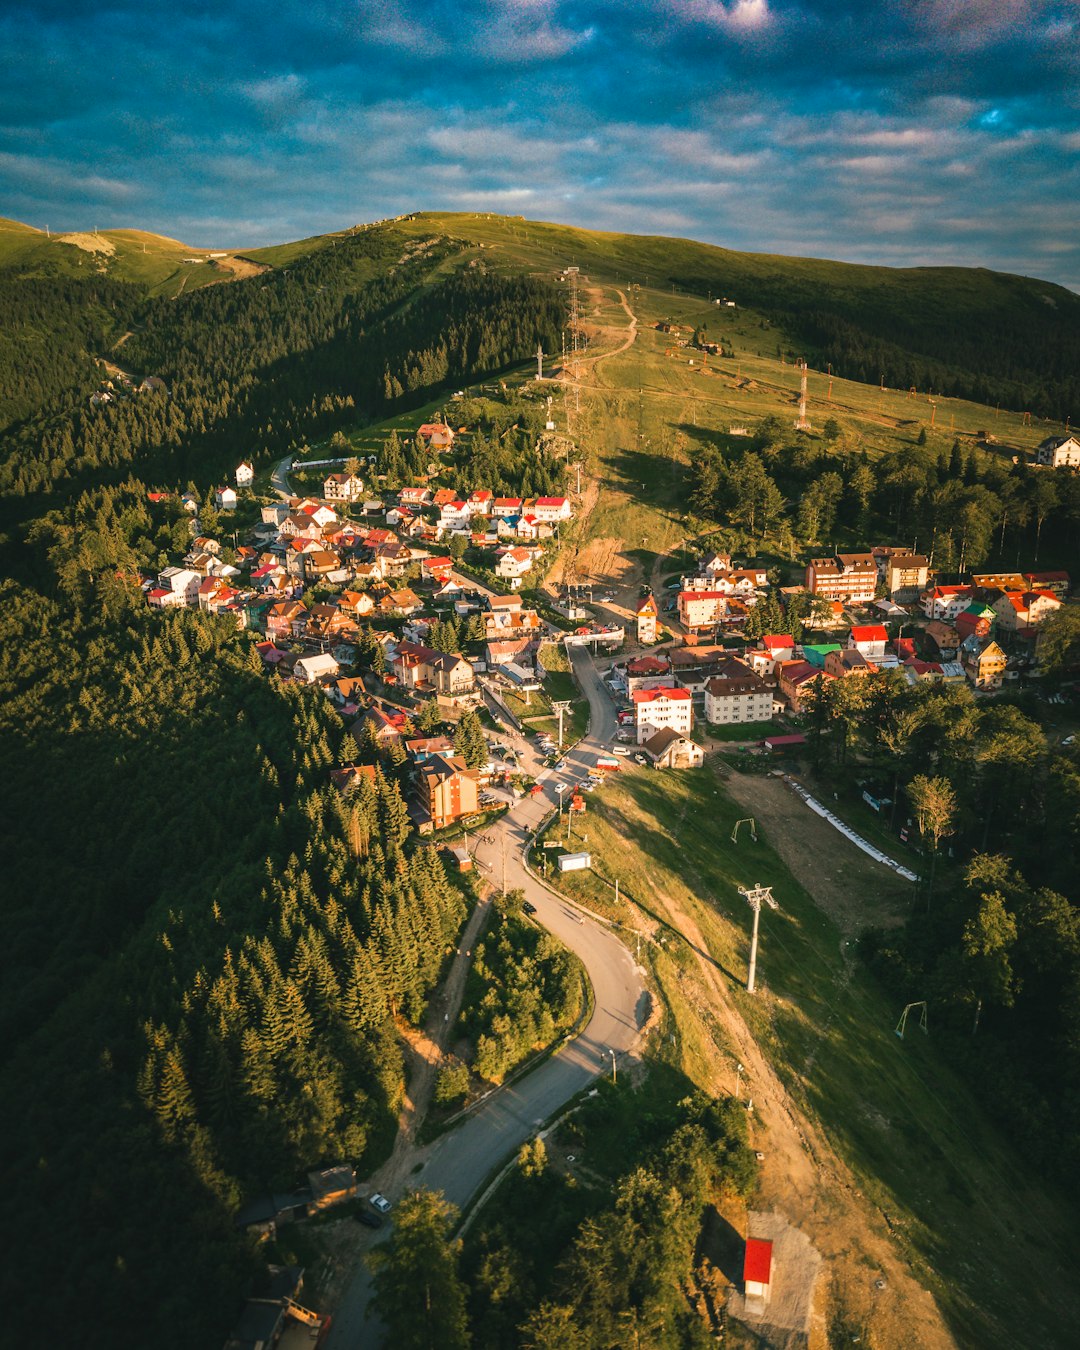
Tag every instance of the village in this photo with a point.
(365, 595)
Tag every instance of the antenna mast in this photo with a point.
(802, 424)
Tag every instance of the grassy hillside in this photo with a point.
(965, 332)
(153, 262)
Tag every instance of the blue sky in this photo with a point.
(927, 131)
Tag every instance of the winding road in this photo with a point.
(462, 1159)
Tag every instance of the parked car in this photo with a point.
(368, 1219)
(528, 907)
(618, 749)
(380, 1203)
(640, 759)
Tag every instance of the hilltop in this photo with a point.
(155, 263)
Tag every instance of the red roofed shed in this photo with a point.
(757, 1268)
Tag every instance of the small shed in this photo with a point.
(574, 862)
(791, 742)
(757, 1268)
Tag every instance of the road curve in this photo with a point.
(462, 1159)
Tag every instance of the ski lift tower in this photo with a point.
(754, 895)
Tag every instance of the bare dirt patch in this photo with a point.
(89, 243)
(853, 890)
(240, 267)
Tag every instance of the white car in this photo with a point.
(560, 788)
(618, 749)
(380, 1203)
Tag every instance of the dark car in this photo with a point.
(368, 1219)
(529, 907)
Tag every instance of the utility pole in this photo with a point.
(614, 1071)
(754, 895)
(503, 838)
(560, 709)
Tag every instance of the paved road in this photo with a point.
(279, 479)
(461, 1160)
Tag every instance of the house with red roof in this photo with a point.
(1021, 612)
(436, 435)
(661, 709)
(506, 506)
(757, 1268)
(795, 679)
(780, 646)
(552, 508)
(701, 609)
(479, 502)
(945, 602)
(869, 640)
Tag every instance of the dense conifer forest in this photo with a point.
(208, 946)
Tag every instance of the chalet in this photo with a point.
(414, 497)
(437, 569)
(319, 512)
(1022, 611)
(401, 602)
(701, 609)
(274, 514)
(647, 617)
(510, 651)
(643, 672)
(512, 565)
(189, 502)
(1059, 452)
(419, 667)
(479, 502)
(669, 749)
(454, 515)
(849, 577)
(916, 671)
(662, 708)
(356, 603)
(778, 646)
(287, 618)
(182, 583)
(1000, 581)
(225, 498)
(436, 435)
(977, 619)
(983, 661)
(738, 696)
(245, 475)
(794, 679)
(506, 506)
(448, 791)
(386, 728)
(869, 640)
(944, 637)
(1057, 583)
(715, 563)
(549, 509)
(342, 487)
(849, 661)
(945, 602)
(349, 779)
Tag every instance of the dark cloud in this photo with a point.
(937, 131)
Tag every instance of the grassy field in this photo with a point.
(967, 1216)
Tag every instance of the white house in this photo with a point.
(662, 709)
(1059, 452)
(225, 497)
(552, 508)
(245, 475)
(513, 564)
(183, 582)
(738, 696)
(869, 640)
(479, 502)
(312, 668)
(454, 515)
(946, 602)
(342, 487)
(506, 506)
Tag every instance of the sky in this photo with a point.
(911, 132)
